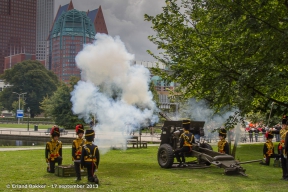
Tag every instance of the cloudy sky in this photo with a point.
(125, 18)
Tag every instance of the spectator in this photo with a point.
(251, 135)
(256, 133)
(277, 135)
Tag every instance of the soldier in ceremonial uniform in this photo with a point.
(90, 156)
(186, 140)
(53, 150)
(268, 150)
(77, 145)
(223, 146)
(283, 147)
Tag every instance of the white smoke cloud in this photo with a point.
(112, 89)
(199, 111)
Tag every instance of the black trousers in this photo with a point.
(180, 153)
(251, 138)
(90, 171)
(271, 156)
(77, 166)
(58, 160)
(284, 163)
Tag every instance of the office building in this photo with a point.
(17, 28)
(71, 30)
(44, 21)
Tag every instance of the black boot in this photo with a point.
(96, 180)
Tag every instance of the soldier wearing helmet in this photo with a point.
(223, 146)
(186, 140)
(53, 150)
(90, 156)
(77, 145)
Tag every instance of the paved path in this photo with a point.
(153, 140)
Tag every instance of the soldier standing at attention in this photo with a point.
(90, 156)
(53, 150)
(268, 150)
(77, 145)
(283, 147)
(223, 146)
(186, 140)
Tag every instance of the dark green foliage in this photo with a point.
(59, 106)
(30, 77)
(229, 53)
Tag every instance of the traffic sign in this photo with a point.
(19, 114)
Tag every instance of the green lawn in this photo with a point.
(138, 170)
(31, 126)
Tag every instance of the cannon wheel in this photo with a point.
(206, 146)
(165, 156)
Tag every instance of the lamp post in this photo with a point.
(28, 110)
(270, 114)
(19, 94)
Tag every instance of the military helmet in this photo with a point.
(55, 131)
(89, 134)
(284, 120)
(223, 133)
(269, 135)
(79, 129)
(186, 124)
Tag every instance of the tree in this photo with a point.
(230, 53)
(59, 106)
(29, 77)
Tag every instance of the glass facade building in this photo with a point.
(72, 29)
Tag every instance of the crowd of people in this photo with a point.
(255, 132)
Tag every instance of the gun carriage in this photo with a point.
(202, 151)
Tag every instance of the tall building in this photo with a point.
(71, 30)
(17, 28)
(44, 20)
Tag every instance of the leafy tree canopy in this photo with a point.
(229, 53)
(59, 106)
(29, 77)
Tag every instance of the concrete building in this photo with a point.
(44, 21)
(17, 28)
(70, 31)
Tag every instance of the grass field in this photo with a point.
(138, 170)
(31, 126)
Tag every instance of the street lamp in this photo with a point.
(19, 94)
(270, 114)
(28, 110)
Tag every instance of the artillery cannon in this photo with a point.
(203, 152)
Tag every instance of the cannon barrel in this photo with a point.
(252, 161)
(165, 116)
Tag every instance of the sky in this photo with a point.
(125, 18)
